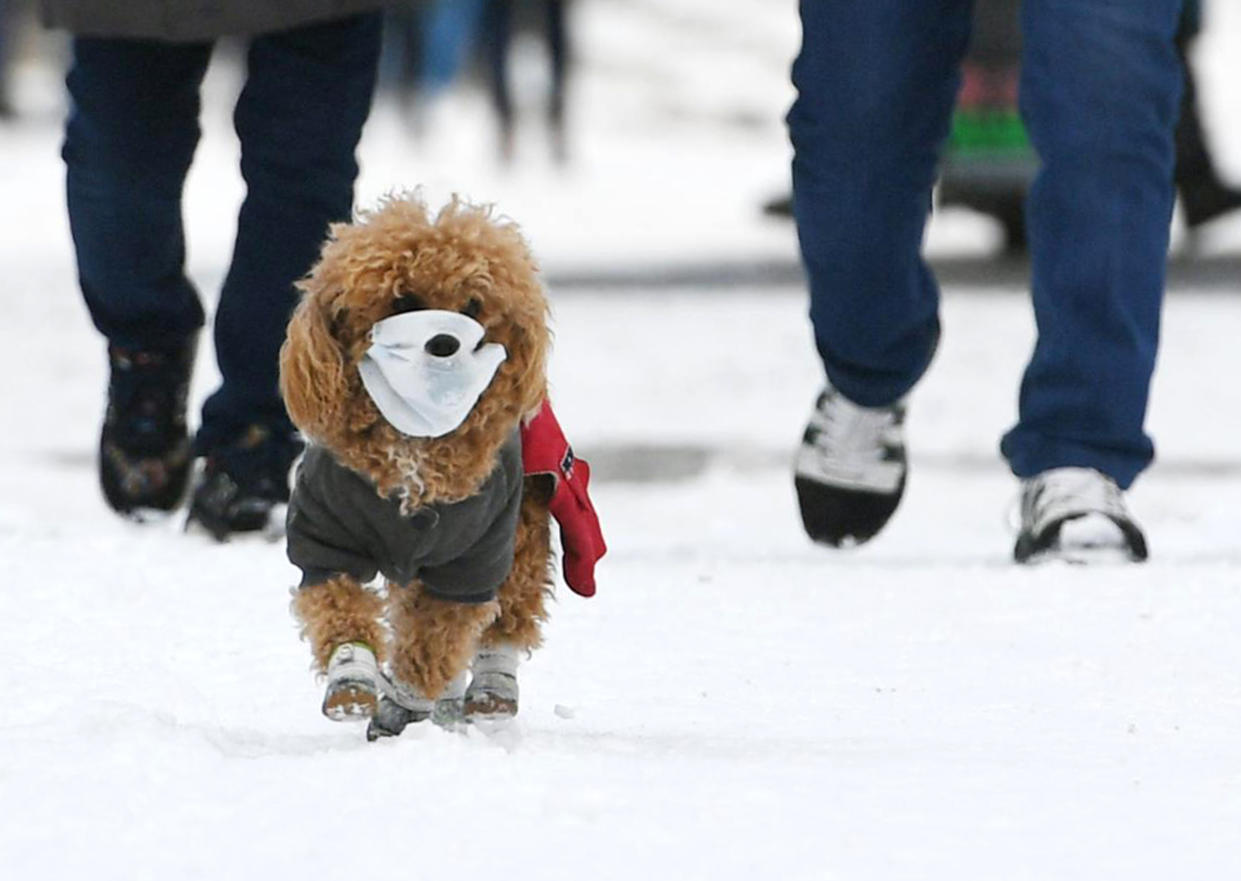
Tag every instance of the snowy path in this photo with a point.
(735, 704)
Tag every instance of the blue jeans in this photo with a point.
(1100, 83)
(129, 141)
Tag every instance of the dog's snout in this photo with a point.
(442, 345)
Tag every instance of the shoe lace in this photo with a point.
(852, 432)
(1071, 491)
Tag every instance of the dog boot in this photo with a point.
(352, 683)
(402, 705)
(449, 712)
(390, 719)
(492, 694)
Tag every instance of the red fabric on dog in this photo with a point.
(544, 450)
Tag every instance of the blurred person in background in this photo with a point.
(1100, 90)
(989, 162)
(427, 43)
(134, 88)
(400, 57)
(1204, 195)
(501, 20)
(8, 27)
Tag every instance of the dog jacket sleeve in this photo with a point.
(545, 450)
(320, 540)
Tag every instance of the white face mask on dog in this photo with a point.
(425, 370)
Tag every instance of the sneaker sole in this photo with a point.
(843, 518)
(1030, 551)
(1081, 557)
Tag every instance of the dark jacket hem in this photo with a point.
(192, 22)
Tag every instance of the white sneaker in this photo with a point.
(1078, 515)
(352, 683)
(850, 469)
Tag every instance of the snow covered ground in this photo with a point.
(736, 703)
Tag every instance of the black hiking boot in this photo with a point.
(144, 450)
(245, 482)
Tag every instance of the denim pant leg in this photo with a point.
(129, 140)
(299, 118)
(876, 82)
(1100, 88)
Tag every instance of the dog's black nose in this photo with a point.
(442, 345)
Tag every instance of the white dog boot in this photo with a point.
(492, 694)
(352, 683)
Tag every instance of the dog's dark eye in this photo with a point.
(472, 308)
(407, 303)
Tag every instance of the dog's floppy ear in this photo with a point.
(312, 370)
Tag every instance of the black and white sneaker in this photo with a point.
(1077, 515)
(850, 469)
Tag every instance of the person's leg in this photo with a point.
(1100, 89)
(1193, 161)
(1100, 85)
(299, 117)
(400, 55)
(7, 21)
(876, 84)
(130, 136)
(447, 40)
(498, 35)
(558, 50)
(129, 140)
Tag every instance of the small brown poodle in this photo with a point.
(414, 364)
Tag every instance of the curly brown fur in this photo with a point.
(337, 611)
(462, 259)
(433, 639)
(464, 254)
(524, 594)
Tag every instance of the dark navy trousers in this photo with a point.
(130, 138)
(876, 83)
